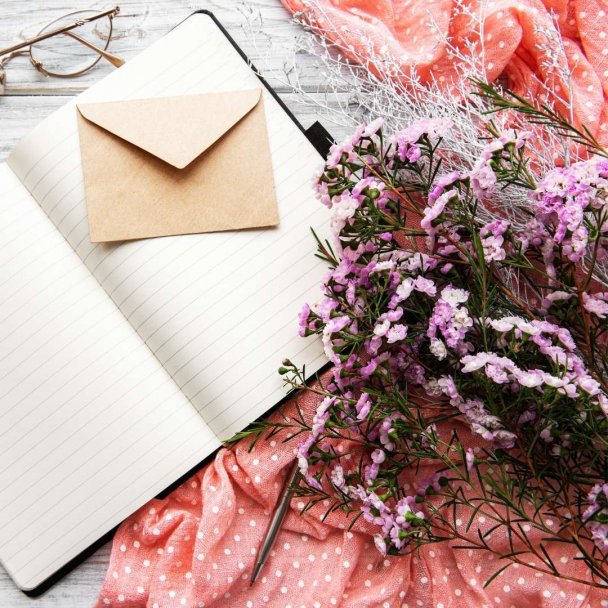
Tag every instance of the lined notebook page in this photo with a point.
(218, 310)
(91, 425)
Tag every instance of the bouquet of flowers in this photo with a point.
(468, 342)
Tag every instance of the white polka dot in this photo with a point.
(123, 548)
(328, 578)
(521, 580)
(368, 583)
(127, 570)
(457, 592)
(252, 523)
(121, 598)
(286, 546)
(472, 582)
(278, 573)
(424, 580)
(296, 565)
(346, 563)
(215, 509)
(506, 588)
(546, 593)
(140, 589)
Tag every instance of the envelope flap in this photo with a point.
(174, 129)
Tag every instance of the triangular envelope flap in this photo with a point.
(174, 129)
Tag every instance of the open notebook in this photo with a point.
(123, 366)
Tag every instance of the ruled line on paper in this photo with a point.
(260, 400)
(160, 272)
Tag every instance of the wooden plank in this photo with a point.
(266, 49)
(30, 97)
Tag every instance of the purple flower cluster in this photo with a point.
(569, 205)
(449, 321)
(398, 524)
(405, 325)
(595, 516)
(482, 176)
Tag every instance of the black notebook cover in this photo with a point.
(322, 141)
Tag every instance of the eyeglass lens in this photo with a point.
(63, 55)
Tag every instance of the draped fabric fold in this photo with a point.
(532, 43)
(197, 547)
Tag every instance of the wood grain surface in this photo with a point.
(29, 97)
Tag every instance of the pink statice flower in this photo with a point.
(492, 240)
(596, 515)
(596, 303)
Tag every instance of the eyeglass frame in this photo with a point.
(26, 46)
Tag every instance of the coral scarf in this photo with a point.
(196, 548)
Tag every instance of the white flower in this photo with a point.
(342, 210)
(405, 289)
(501, 325)
(454, 296)
(461, 318)
(381, 328)
(438, 349)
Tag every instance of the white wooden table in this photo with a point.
(29, 97)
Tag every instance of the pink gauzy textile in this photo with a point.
(197, 547)
(521, 41)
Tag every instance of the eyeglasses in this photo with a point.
(68, 46)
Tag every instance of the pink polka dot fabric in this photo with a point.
(197, 548)
(520, 42)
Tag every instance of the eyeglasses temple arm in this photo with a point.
(113, 59)
(22, 45)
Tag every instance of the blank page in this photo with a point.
(91, 425)
(219, 310)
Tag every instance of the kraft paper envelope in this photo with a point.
(176, 165)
